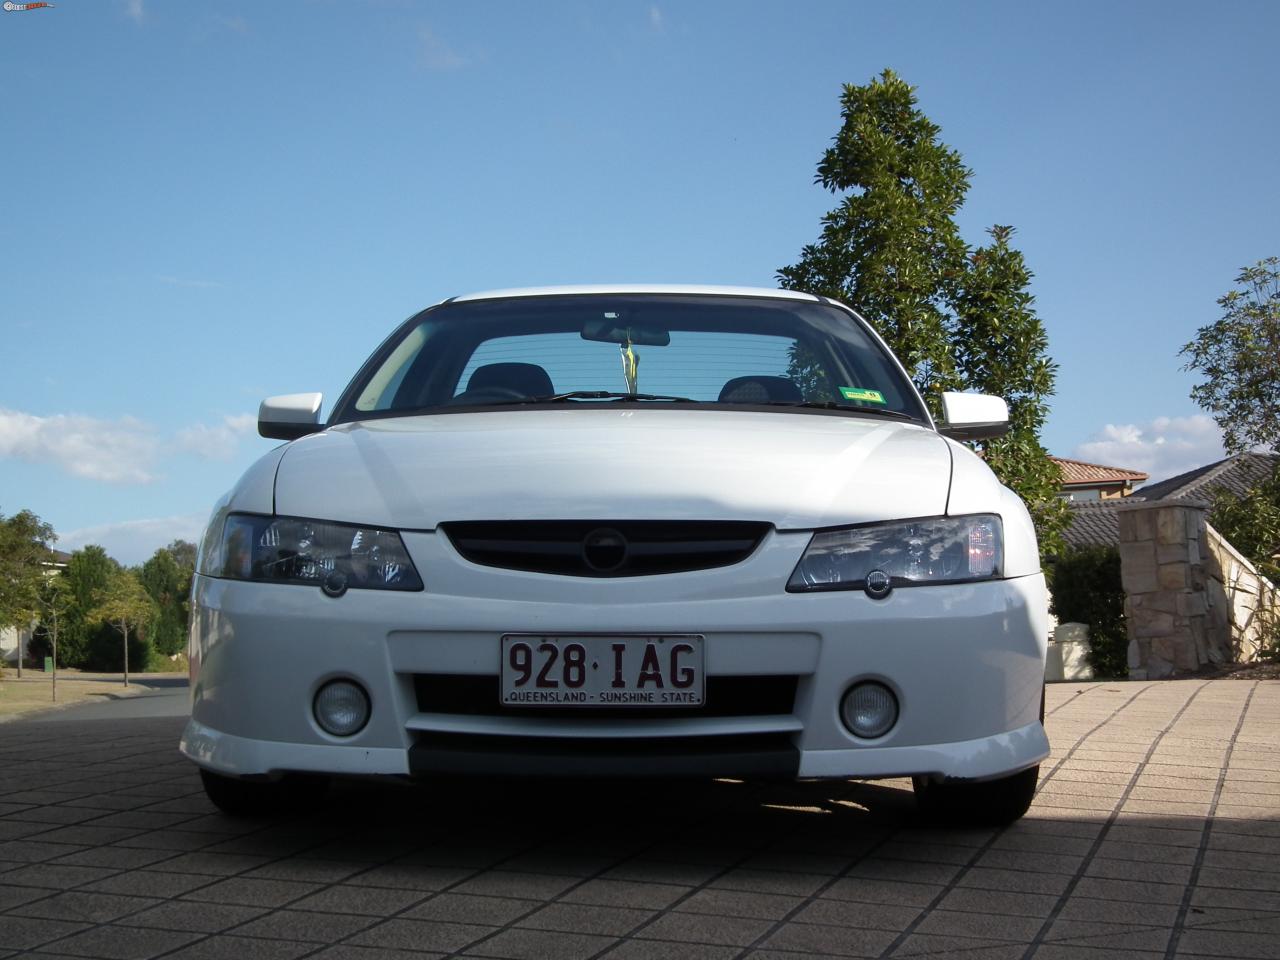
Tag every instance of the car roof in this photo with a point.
(607, 288)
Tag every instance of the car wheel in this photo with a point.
(987, 803)
(292, 793)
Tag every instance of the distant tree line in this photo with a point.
(93, 609)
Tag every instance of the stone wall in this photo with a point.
(1172, 628)
(1246, 598)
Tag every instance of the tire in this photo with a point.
(989, 803)
(293, 793)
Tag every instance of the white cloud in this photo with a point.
(1164, 447)
(116, 451)
(133, 9)
(134, 541)
(435, 54)
(656, 20)
(218, 442)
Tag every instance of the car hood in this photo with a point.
(794, 470)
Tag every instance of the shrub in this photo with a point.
(1086, 589)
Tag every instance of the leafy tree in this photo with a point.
(24, 551)
(53, 601)
(958, 319)
(1001, 349)
(168, 582)
(1251, 524)
(891, 248)
(1239, 357)
(125, 604)
(183, 553)
(88, 573)
(1086, 588)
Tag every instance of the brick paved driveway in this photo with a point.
(1156, 833)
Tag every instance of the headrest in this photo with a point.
(760, 390)
(526, 378)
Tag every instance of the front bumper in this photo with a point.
(965, 661)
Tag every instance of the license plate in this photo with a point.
(589, 671)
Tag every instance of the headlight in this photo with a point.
(334, 556)
(940, 550)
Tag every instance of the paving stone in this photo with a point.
(585, 918)
(197, 918)
(410, 876)
(214, 864)
(740, 903)
(783, 882)
(999, 902)
(508, 883)
(1017, 881)
(85, 906)
(122, 943)
(621, 893)
(820, 939)
(55, 876)
(704, 928)
(422, 935)
(251, 892)
(669, 950)
(347, 951)
(979, 926)
(143, 883)
(241, 948)
(1110, 936)
(304, 925)
(17, 933)
(846, 913)
(1118, 911)
(462, 908)
(1223, 943)
(369, 901)
(657, 871)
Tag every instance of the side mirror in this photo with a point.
(973, 416)
(290, 417)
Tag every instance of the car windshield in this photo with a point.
(655, 349)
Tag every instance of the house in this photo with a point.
(1095, 522)
(1084, 482)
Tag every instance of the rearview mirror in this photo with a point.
(973, 416)
(617, 330)
(290, 416)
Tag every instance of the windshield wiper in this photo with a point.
(603, 395)
(833, 405)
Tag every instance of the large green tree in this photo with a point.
(1239, 357)
(88, 572)
(167, 579)
(24, 554)
(125, 604)
(957, 318)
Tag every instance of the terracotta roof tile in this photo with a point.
(1077, 471)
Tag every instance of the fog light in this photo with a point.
(342, 708)
(869, 710)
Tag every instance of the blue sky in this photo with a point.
(204, 203)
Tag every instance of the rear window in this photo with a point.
(706, 350)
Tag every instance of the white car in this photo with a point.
(623, 531)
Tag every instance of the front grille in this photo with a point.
(605, 548)
(479, 696)
(750, 756)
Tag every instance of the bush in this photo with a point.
(1086, 589)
